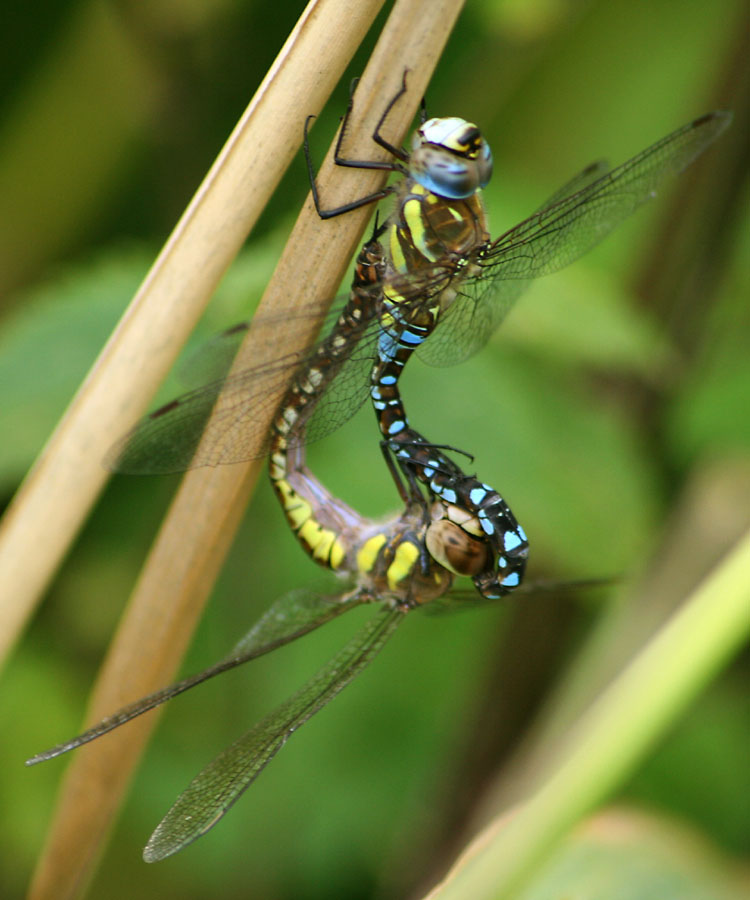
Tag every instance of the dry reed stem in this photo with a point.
(65, 481)
(200, 525)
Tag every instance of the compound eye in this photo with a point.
(454, 549)
(450, 158)
(443, 173)
(484, 165)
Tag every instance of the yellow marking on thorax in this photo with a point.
(403, 564)
(397, 254)
(367, 554)
(412, 212)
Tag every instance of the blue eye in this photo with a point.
(450, 158)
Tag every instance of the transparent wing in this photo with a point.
(456, 334)
(348, 391)
(178, 436)
(290, 617)
(213, 791)
(463, 600)
(570, 223)
(212, 358)
(573, 221)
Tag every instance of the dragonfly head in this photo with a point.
(455, 549)
(450, 158)
(487, 543)
(455, 540)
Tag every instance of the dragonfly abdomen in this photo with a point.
(476, 533)
(325, 526)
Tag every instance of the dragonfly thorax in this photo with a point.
(450, 158)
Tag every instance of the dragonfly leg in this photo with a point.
(430, 446)
(412, 451)
(359, 164)
(398, 152)
(340, 160)
(413, 493)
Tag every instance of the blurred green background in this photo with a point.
(612, 389)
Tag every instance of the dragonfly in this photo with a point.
(442, 267)
(405, 563)
(390, 573)
(438, 244)
(392, 576)
(468, 503)
(443, 274)
(401, 564)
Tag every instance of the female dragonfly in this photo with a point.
(402, 564)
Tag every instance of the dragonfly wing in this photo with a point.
(224, 421)
(290, 617)
(463, 600)
(565, 228)
(584, 178)
(212, 358)
(347, 392)
(175, 438)
(558, 234)
(467, 325)
(294, 615)
(214, 790)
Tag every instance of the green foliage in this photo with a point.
(47, 344)
(623, 855)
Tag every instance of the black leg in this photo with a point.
(395, 475)
(392, 166)
(398, 152)
(428, 445)
(346, 207)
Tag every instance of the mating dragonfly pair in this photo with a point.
(439, 284)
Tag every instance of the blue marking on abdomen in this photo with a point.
(408, 337)
(476, 495)
(511, 541)
(387, 346)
